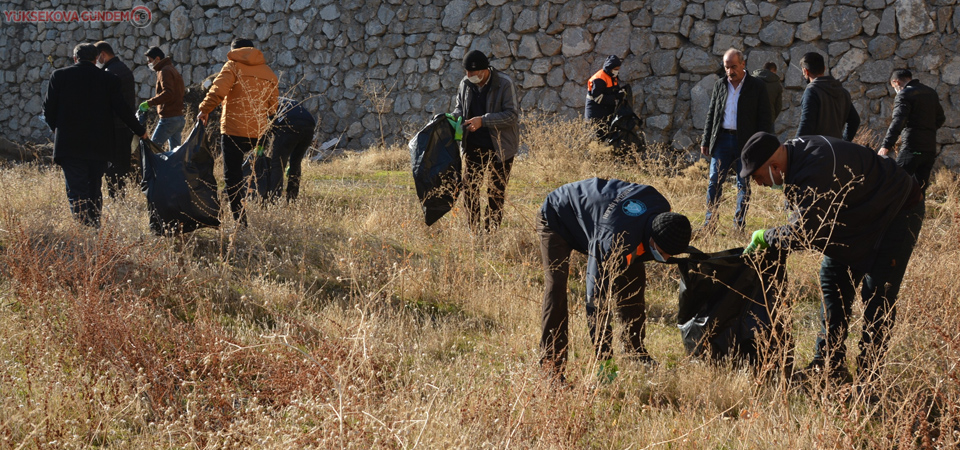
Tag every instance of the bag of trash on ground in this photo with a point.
(435, 161)
(180, 187)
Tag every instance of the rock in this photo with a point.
(928, 62)
(666, 25)
(526, 22)
(573, 95)
(531, 81)
(777, 34)
(838, 48)
(576, 41)
(669, 8)
(888, 23)
(298, 26)
(578, 69)
(603, 11)
(549, 101)
(750, 24)
(849, 63)
(660, 122)
(950, 73)
(664, 63)
(555, 77)
(642, 42)
(870, 24)
(730, 25)
(757, 58)
(330, 13)
(840, 22)
(573, 13)
(528, 47)
(882, 47)
(180, 26)
(735, 8)
(702, 34)
(909, 48)
(768, 10)
(714, 9)
(549, 45)
(698, 61)
(809, 31)
(616, 39)
(795, 12)
(300, 5)
(875, 71)
(913, 18)
(723, 42)
(454, 13)
(669, 41)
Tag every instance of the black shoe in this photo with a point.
(818, 371)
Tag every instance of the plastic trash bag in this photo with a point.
(723, 310)
(623, 131)
(180, 187)
(435, 161)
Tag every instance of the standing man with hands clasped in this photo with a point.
(487, 103)
(864, 214)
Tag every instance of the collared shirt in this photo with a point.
(730, 109)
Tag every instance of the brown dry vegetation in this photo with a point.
(341, 321)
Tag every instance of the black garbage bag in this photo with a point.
(723, 310)
(179, 185)
(257, 173)
(623, 131)
(435, 160)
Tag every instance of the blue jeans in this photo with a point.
(168, 129)
(879, 289)
(83, 178)
(725, 155)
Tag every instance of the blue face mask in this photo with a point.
(656, 255)
(776, 187)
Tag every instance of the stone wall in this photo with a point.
(397, 62)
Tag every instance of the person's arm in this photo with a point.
(221, 87)
(809, 113)
(901, 111)
(940, 117)
(121, 109)
(708, 125)
(164, 90)
(509, 113)
(458, 109)
(853, 124)
(50, 104)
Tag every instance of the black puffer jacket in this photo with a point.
(843, 197)
(917, 113)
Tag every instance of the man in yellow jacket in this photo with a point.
(248, 90)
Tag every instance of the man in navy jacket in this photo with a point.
(80, 105)
(619, 225)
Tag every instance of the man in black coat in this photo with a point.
(826, 108)
(293, 131)
(864, 214)
(917, 114)
(119, 167)
(739, 107)
(80, 105)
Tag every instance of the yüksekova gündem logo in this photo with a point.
(138, 16)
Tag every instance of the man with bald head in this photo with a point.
(739, 107)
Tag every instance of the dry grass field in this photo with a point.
(341, 321)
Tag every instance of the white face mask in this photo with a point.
(615, 72)
(474, 79)
(774, 186)
(150, 65)
(656, 255)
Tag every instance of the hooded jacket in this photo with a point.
(826, 109)
(249, 92)
(169, 89)
(603, 91)
(843, 198)
(503, 116)
(608, 220)
(774, 90)
(917, 113)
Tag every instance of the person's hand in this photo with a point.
(757, 242)
(202, 117)
(473, 124)
(144, 136)
(705, 151)
(144, 107)
(883, 151)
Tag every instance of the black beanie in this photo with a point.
(475, 60)
(671, 232)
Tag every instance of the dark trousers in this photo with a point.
(288, 147)
(119, 168)
(234, 150)
(84, 178)
(476, 162)
(627, 288)
(878, 291)
(918, 164)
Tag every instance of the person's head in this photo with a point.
(670, 235)
(771, 67)
(154, 55)
(85, 52)
(812, 66)
(764, 159)
(241, 43)
(900, 78)
(612, 65)
(734, 65)
(105, 53)
(477, 66)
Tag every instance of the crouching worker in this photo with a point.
(619, 225)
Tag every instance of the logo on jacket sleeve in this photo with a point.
(634, 208)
